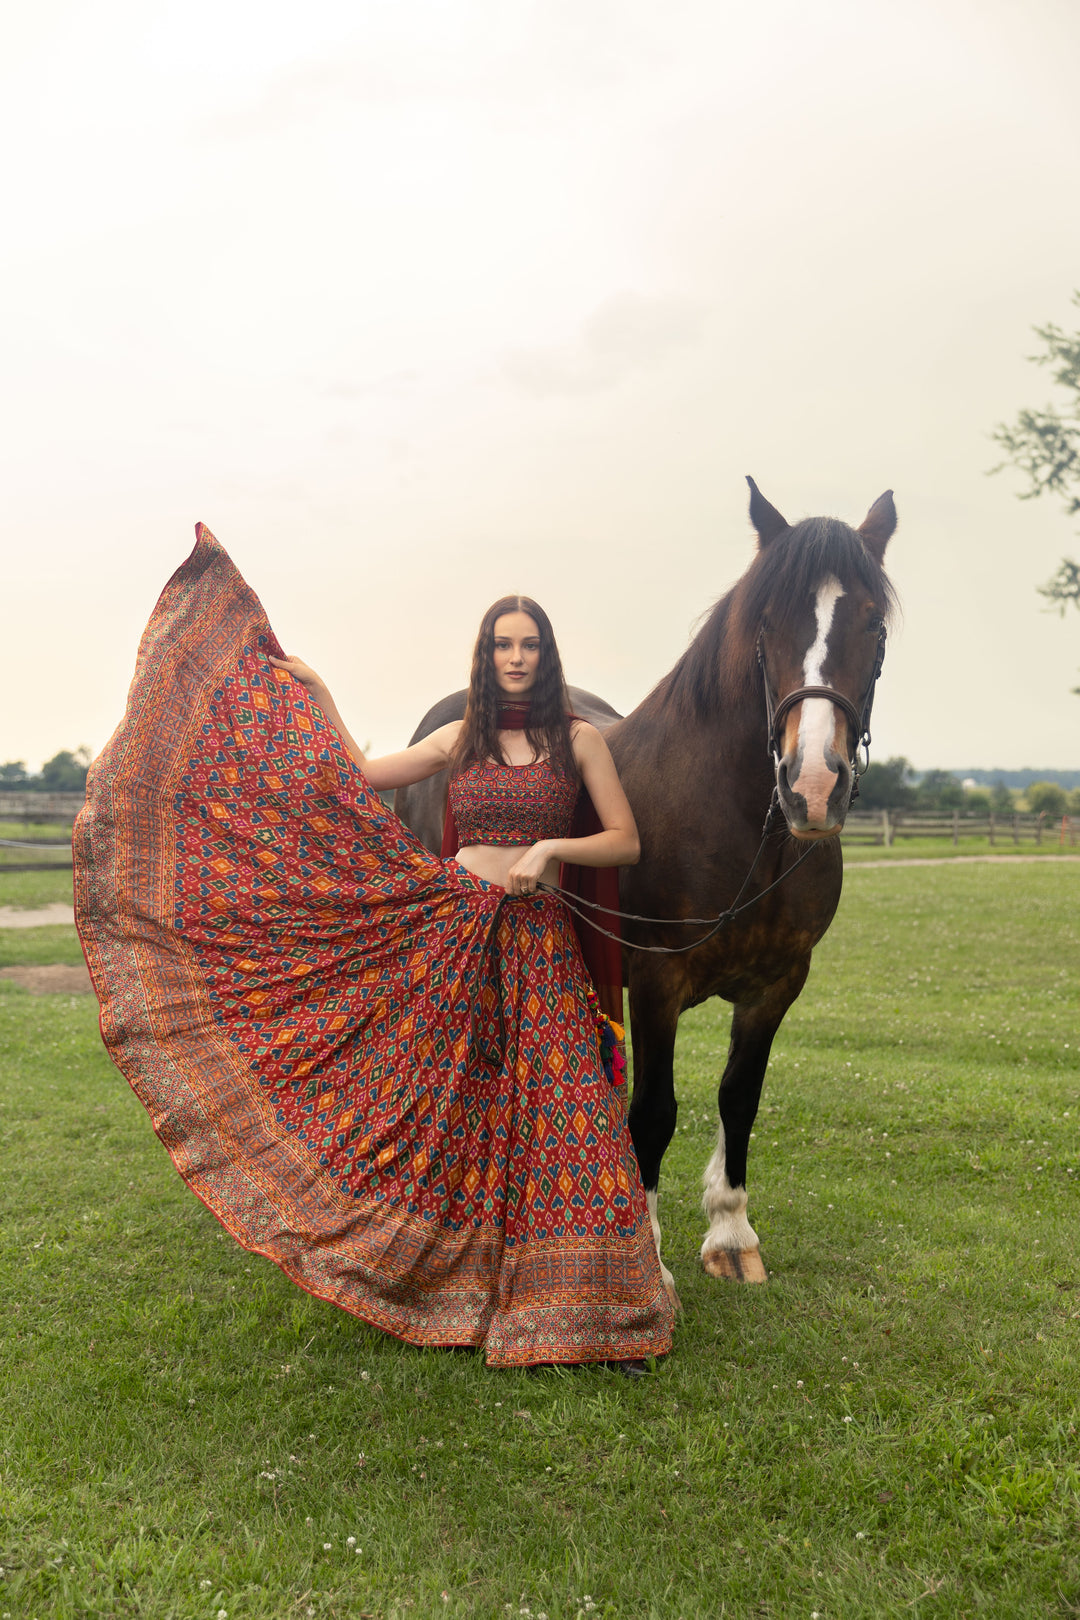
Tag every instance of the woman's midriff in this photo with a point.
(493, 862)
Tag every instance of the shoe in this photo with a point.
(630, 1369)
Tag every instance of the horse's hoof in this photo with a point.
(735, 1265)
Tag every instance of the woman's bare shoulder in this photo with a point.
(586, 740)
(446, 735)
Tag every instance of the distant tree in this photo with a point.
(1064, 587)
(65, 772)
(940, 790)
(887, 786)
(1073, 805)
(1045, 446)
(1002, 802)
(1047, 798)
(13, 775)
(976, 802)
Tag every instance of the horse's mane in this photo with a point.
(719, 667)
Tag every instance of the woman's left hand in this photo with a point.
(527, 870)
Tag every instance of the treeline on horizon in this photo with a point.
(893, 784)
(64, 773)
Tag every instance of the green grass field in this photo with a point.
(916, 849)
(888, 1428)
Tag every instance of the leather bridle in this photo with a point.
(777, 711)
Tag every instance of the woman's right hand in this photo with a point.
(301, 672)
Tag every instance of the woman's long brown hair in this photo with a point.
(548, 729)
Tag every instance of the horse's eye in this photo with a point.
(875, 623)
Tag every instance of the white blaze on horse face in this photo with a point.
(813, 777)
(725, 1206)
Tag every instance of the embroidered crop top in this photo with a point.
(511, 805)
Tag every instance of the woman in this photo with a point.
(379, 1069)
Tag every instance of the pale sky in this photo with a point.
(418, 303)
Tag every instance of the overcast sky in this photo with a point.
(416, 303)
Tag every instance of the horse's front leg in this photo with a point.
(654, 1018)
(731, 1248)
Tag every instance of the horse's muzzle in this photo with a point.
(814, 795)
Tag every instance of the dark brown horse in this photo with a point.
(772, 695)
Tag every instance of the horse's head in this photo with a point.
(820, 599)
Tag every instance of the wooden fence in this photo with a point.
(885, 827)
(875, 827)
(34, 809)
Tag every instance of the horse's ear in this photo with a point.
(765, 518)
(878, 525)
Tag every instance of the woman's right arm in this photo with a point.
(409, 765)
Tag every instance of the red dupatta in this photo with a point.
(598, 884)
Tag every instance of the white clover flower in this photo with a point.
(223, 1614)
(798, 1383)
(849, 1420)
(326, 1546)
(204, 1586)
(350, 1541)
(860, 1535)
(365, 1377)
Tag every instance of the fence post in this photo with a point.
(955, 827)
(1016, 827)
(991, 829)
(1039, 827)
(886, 830)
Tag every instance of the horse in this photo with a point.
(740, 766)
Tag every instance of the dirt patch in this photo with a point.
(57, 979)
(36, 916)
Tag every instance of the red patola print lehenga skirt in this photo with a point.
(368, 1069)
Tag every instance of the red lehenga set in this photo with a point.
(376, 1069)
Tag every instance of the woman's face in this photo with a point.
(517, 653)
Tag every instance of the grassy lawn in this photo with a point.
(39, 946)
(888, 1428)
(908, 849)
(26, 890)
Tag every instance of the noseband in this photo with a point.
(776, 712)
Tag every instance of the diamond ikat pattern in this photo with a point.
(300, 994)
